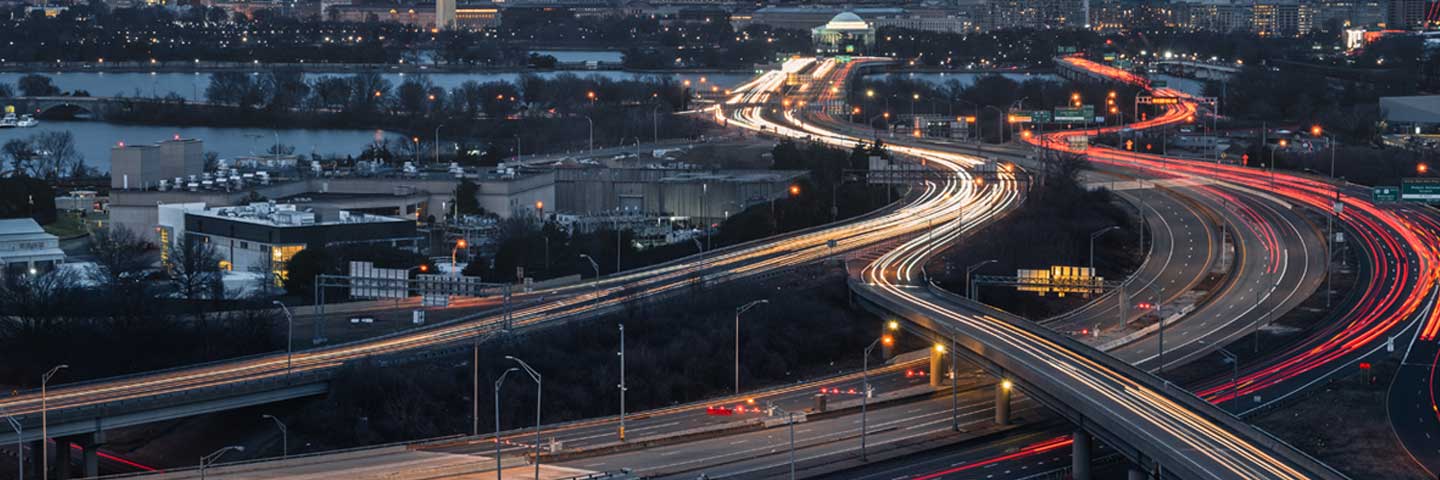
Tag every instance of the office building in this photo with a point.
(505, 193)
(264, 236)
(1406, 14)
(444, 14)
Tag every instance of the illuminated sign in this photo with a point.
(1149, 100)
(1060, 279)
(1420, 189)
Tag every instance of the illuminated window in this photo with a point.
(280, 256)
(227, 266)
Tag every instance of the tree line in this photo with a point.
(533, 114)
(125, 316)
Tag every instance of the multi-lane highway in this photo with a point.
(947, 206)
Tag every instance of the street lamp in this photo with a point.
(738, 311)
(284, 436)
(19, 444)
(887, 340)
(969, 282)
(1093, 236)
(595, 266)
(44, 427)
(536, 376)
(622, 382)
(459, 244)
(790, 420)
(437, 139)
(499, 382)
(1318, 132)
(592, 130)
(207, 460)
(289, 334)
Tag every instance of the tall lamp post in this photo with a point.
(738, 311)
(210, 459)
(865, 387)
(284, 436)
(969, 280)
(592, 132)
(1094, 236)
(437, 142)
(622, 382)
(44, 420)
(790, 421)
(289, 335)
(1318, 132)
(595, 266)
(459, 244)
(535, 376)
(498, 383)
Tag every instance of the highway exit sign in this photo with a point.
(1074, 114)
(1385, 194)
(1420, 189)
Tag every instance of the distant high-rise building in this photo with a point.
(1038, 14)
(1285, 18)
(444, 14)
(1405, 14)
(1127, 15)
(1349, 13)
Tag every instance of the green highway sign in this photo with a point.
(1074, 114)
(1385, 194)
(1158, 83)
(1420, 189)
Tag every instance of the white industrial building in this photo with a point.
(25, 248)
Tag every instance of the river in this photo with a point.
(94, 138)
(192, 85)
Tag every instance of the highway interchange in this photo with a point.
(1280, 258)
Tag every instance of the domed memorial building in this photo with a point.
(845, 34)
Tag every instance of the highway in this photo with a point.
(902, 263)
(708, 268)
(1189, 440)
(1396, 291)
(956, 203)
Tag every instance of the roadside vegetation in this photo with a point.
(1052, 228)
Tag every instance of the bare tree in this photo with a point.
(195, 273)
(47, 155)
(120, 255)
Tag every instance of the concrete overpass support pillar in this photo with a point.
(90, 455)
(1080, 457)
(62, 458)
(36, 464)
(937, 365)
(1136, 473)
(1002, 402)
